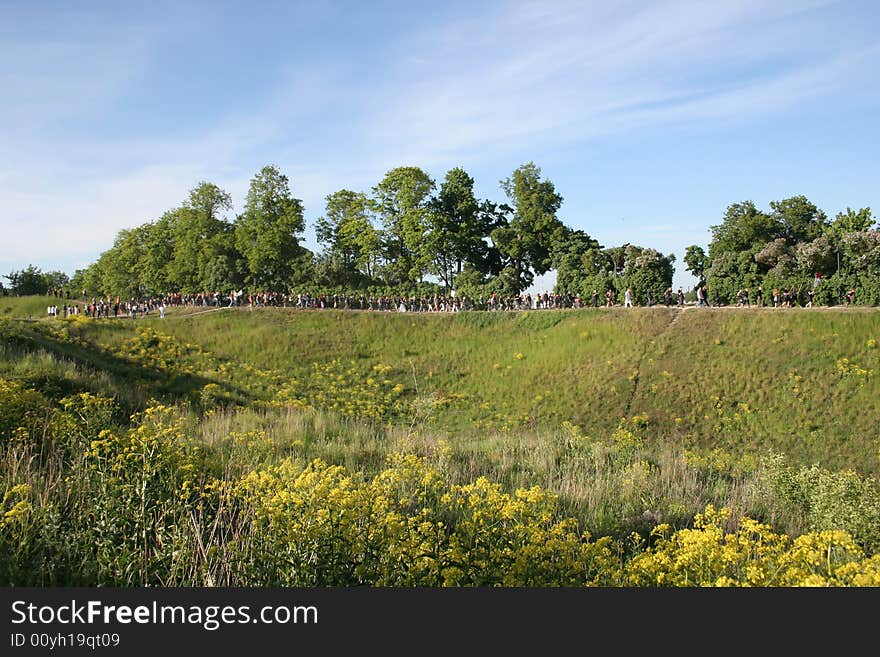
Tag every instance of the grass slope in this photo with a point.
(802, 382)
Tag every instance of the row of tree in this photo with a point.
(793, 245)
(410, 236)
(32, 280)
(406, 236)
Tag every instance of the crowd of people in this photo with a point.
(115, 307)
(53, 311)
(450, 303)
(784, 297)
(413, 303)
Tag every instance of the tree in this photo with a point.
(800, 220)
(576, 257)
(646, 270)
(695, 260)
(525, 242)
(86, 281)
(744, 233)
(156, 267)
(56, 280)
(208, 200)
(268, 231)
(744, 227)
(457, 227)
(616, 258)
(27, 281)
(351, 242)
(121, 266)
(850, 221)
(402, 201)
(195, 227)
(815, 257)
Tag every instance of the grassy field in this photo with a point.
(802, 382)
(629, 417)
(797, 381)
(30, 307)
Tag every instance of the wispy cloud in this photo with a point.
(548, 74)
(511, 78)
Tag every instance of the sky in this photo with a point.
(650, 118)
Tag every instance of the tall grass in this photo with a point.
(153, 502)
(798, 381)
(158, 451)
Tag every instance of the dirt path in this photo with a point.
(677, 313)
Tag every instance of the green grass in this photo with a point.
(744, 381)
(757, 380)
(505, 369)
(30, 307)
(630, 418)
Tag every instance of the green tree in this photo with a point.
(743, 234)
(158, 255)
(267, 233)
(576, 258)
(744, 227)
(695, 260)
(800, 220)
(526, 241)
(849, 221)
(119, 268)
(195, 228)
(402, 201)
(457, 227)
(85, 281)
(351, 242)
(208, 201)
(56, 280)
(646, 270)
(29, 280)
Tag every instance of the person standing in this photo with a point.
(628, 298)
(703, 294)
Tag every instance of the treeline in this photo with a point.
(407, 235)
(410, 236)
(794, 245)
(32, 280)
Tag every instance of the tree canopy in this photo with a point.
(410, 235)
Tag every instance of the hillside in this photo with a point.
(798, 381)
(533, 448)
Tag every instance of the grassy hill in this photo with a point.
(250, 435)
(797, 381)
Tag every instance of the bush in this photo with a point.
(823, 500)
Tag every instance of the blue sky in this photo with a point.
(649, 117)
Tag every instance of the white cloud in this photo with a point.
(547, 74)
(525, 77)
